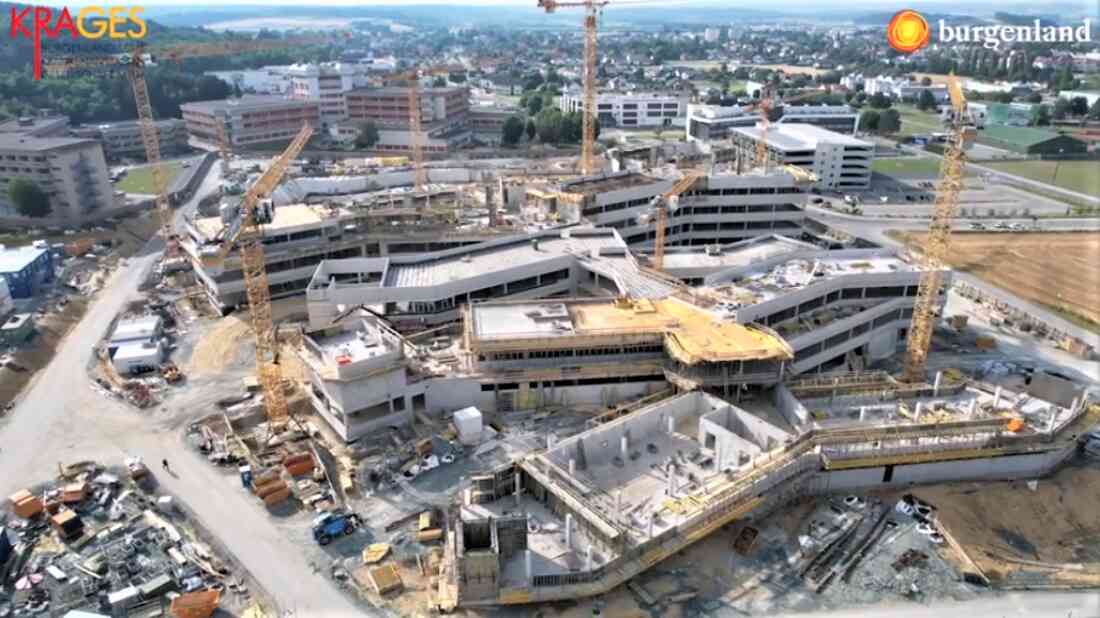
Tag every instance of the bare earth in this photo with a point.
(1059, 270)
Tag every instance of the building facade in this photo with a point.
(630, 109)
(71, 171)
(26, 269)
(249, 120)
(902, 89)
(444, 116)
(326, 84)
(123, 139)
(712, 122)
(839, 162)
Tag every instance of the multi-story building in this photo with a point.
(773, 308)
(300, 236)
(712, 122)
(249, 120)
(123, 139)
(487, 122)
(902, 89)
(325, 83)
(721, 208)
(71, 171)
(444, 116)
(838, 161)
(418, 291)
(631, 109)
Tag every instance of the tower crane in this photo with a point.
(664, 202)
(592, 10)
(938, 241)
(247, 234)
(420, 173)
(135, 64)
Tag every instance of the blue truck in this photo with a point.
(332, 524)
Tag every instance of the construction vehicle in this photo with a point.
(938, 242)
(592, 9)
(135, 67)
(332, 524)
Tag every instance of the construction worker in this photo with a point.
(164, 464)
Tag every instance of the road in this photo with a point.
(60, 419)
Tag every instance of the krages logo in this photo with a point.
(92, 22)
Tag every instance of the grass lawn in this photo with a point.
(1080, 176)
(907, 166)
(915, 121)
(140, 179)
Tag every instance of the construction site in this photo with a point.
(647, 388)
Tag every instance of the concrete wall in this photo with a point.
(790, 407)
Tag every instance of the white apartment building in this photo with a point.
(72, 172)
(325, 83)
(902, 89)
(722, 208)
(839, 161)
(630, 109)
(714, 122)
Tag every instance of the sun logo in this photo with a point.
(908, 31)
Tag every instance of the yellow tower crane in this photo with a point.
(592, 10)
(247, 234)
(420, 173)
(938, 242)
(663, 204)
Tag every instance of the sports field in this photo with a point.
(1080, 176)
(140, 179)
(907, 166)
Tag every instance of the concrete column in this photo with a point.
(652, 519)
(569, 531)
(529, 564)
(936, 384)
(973, 408)
(862, 413)
(624, 448)
(1053, 418)
(717, 457)
(996, 397)
(671, 423)
(572, 466)
(618, 503)
(468, 496)
(916, 413)
(588, 558)
(517, 485)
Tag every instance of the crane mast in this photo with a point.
(588, 123)
(938, 241)
(681, 185)
(151, 142)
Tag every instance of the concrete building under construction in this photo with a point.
(596, 509)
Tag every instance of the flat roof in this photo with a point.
(16, 259)
(608, 182)
(480, 260)
(740, 253)
(35, 123)
(249, 101)
(765, 283)
(289, 216)
(357, 340)
(692, 334)
(19, 141)
(800, 136)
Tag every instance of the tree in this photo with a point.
(439, 82)
(926, 101)
(926, 81)
(868, 121)
(512, 131)
(1034, 97)
(458, 78)
(889, 122)
(29, 199)
(548, 125)
(368, 135)
(1061, 108)
(880, 101)
(1040, 115)
(534, 104)
(1079, 106)
(1094, 111)
(531, 130)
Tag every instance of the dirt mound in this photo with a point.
(219, 348)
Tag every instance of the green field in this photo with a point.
(140, 179)
(907, 166)
(1080, 176)
(914, 121)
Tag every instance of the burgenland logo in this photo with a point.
(91, 22)
(908, 31)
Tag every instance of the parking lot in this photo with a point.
(887, 196)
